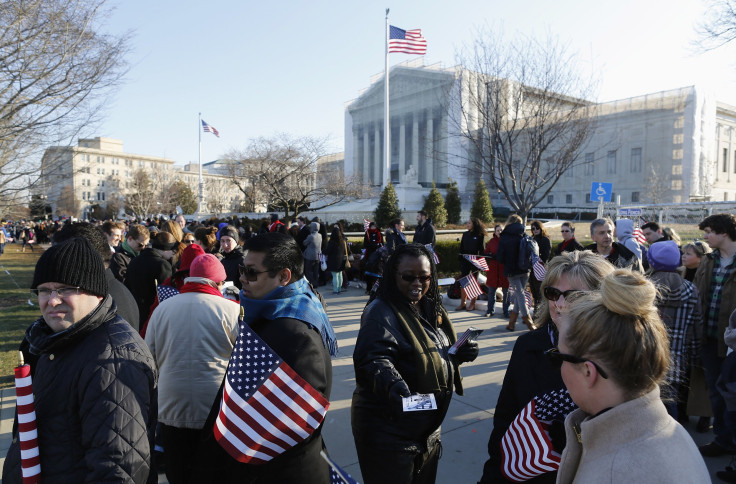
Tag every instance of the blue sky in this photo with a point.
(260, 68)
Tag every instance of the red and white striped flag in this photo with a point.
(435, 257)
(639, 236)
(472, 289)
(477, 261)
(526, 446)
(539, 270)
(406, 41)
(266, 407)
(209, 129)
(30, 459)
(366, 224)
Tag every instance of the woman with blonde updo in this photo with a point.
(614, 354)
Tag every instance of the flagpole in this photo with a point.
(201, 181)
(386, 125)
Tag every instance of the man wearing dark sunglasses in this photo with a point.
(568, 243)
(280, 306)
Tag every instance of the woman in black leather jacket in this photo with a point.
(401, 350)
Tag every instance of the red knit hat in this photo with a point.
(208, 266)
(188, 255)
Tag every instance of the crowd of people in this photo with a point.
(129, 380)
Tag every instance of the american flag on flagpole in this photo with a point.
(526, 446)
(406, 41)
(30, 460)
(472, 289)
(209, 129)
(479, 262)
(266, 407)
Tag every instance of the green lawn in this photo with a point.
(16, 274)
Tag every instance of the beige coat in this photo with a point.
(191, 336)
(635, 442)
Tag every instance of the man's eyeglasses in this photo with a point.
(250, 274)
(556, 358)
(553, 294)
(565, 231)
(411, 278)
(61, 292)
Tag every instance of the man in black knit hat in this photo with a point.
(94, 377)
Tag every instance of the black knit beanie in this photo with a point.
(74, 262)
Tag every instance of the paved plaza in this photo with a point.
(468, 424)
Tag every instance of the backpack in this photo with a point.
(528, 252)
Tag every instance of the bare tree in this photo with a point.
(56, 70)
(68, 204)
(147, 193)
(281, 172)
(522, 114)
(217, 195)
(718, 26)
(658, 186)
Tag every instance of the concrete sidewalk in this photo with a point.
(468, 425)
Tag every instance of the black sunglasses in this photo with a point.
(556, 358)
(410, 278)
(250, 274)
(553, 294)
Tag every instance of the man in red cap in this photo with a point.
(191, 336)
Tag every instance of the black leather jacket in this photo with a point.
(383, 355)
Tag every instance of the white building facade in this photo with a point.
(98, 172)
(668, 147)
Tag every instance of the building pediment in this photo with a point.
(404, 82)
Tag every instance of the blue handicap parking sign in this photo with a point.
(601, 190)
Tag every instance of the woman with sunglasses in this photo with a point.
(529, 374)
(402, 350)
(614, 355)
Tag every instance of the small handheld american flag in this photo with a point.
(30, 460)
(366, 224)
(526, 446)
(472, 289)
(479, 262)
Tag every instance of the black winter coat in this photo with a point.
(424, 234)
(508, 249)
(529, 374)
(143, 273)
(124, 300)
(383, 355)
(620, 257)
(336, 256)
(231, 261)
(470, 244)
(96, 401)
(119, 262)
(571, 247)
(301, 347)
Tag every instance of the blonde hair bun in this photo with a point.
(628, 293)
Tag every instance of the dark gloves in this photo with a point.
(467, 352)
(395, 394)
